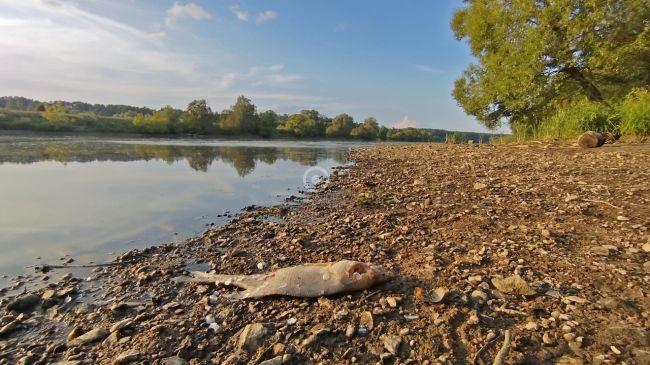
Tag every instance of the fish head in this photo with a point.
(357, 275)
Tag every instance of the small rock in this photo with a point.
(24, 304)
(546, 233)
(591, 139)
(513, 284)
(261, 265)
(123, 324)
(174, 360)
(127, 357)
(615, 350)
(548, 339)
(278, 360)
(76, 332)
(531, 326)
(622, 218)
(366, 320)
(386, 358)
(391, 343)
(392, 302)
(292, 321)
(479, 186)
(95, 335)
(439, 294)
(646, 247)
(479, 296)
(350, 331)
(253, 335)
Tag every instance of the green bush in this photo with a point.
(635, 113)
(574, 120)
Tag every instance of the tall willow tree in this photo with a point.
(535, 55)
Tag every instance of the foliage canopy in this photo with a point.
(535, 56)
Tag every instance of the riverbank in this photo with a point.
(567, 228)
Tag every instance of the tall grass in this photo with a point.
(569, 122)
(634, 112)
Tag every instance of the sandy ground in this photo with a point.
(540, 251)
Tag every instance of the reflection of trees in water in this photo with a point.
(243, 159)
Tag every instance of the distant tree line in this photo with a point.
(241, 119)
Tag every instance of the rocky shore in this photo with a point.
(528, 254)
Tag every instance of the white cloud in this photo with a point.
(241, 14)
(64, 52)
(189, 10)
(429, 69)
(404, 123)
(245, 16)
(265, 16)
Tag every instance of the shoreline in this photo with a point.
(567, 227)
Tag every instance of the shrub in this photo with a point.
(571, 121)
(635, 113)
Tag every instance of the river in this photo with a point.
(88, 199)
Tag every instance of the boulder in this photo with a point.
(591, 139)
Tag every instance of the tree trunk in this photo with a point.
(587, 86)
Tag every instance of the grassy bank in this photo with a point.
(628, 119)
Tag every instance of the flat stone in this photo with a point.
(95, 335)
(278, 360)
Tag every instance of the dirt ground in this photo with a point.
(538, 252)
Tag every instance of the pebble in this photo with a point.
(253, 335)
(261, 265)
(95, 335)
(123, 324)
(366, 320)
(210, 319)
(622, 218)
(531, 326)
(392, 302)
(548, 339)
(127, 357)
(350, 331)
(174, 360)
(404, 331)
(479, 296)
(391, 343)
(615, 350)
(292, 321)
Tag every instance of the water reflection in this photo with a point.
(89, 197)
(199, 158)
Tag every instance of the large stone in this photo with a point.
(591, 139)
(25, 304)
(95, 335)
(253, 336)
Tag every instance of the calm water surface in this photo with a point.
(94, 198)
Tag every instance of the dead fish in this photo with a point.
(306, 281)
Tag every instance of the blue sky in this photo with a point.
(394, 60)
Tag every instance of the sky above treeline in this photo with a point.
(394, 60)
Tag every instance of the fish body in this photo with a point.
(306, 281)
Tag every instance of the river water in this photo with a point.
(92, 198)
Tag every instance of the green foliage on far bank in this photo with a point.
(241, 119)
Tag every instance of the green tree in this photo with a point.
(268, 121)
(163, 121)
(533, 56)
(299, 125)
(368, 130)
(56, 114)
(341, 126)
(198, 118)
(241, 118)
